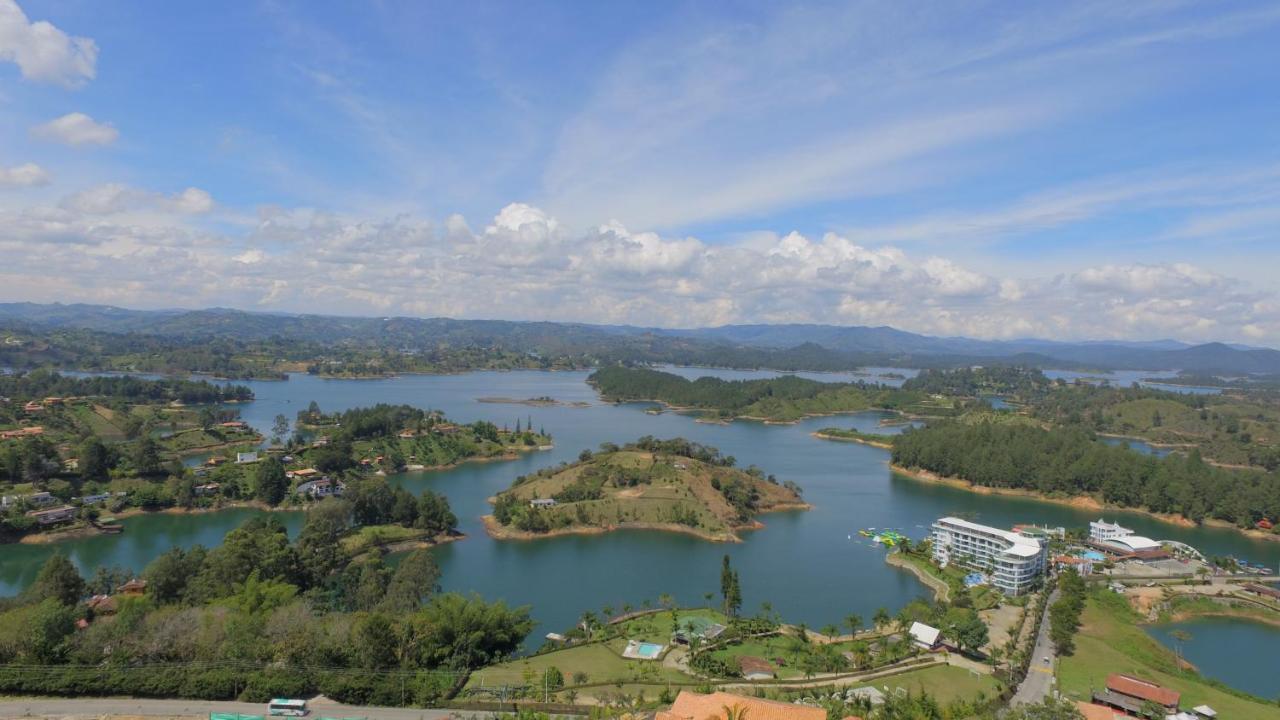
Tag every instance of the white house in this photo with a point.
(925, 636)
(322, 488)
(247, 457)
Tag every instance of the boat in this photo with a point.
(109, 526)
(864, 533)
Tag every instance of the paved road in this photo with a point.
(96, 707)
(1039, 680)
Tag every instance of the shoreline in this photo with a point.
(1077, 501)
(708, 416)
(862, 441)
(84, 531)
(498, 531)
(941, 591)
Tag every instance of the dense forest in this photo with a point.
(1069, 461)
(783, 398)
(969, 382)
(256, 617)
(40, 384)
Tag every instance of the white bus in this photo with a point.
(281, 706)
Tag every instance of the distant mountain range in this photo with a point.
(796, 346)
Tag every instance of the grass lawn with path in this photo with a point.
(944, 682)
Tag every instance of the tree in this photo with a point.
(372, 501)
(416, 579)
(272, 484)
(319, 550)
(375, 642)
(881, 618)
(463, 632)
(280, 428)
(58, 580)
(48, 628)
(169, 575)
(105, 580)
(853, 621)
(965, 627)
(94, 461)
(146, 456)
(434, 514)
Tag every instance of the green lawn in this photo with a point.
(371, 535)
(1110, 641)
(944, 682)
(600, 662)
(99, 425)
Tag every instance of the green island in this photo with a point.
(851, 435)
(672, 485)
(778, 400)
(76, 453)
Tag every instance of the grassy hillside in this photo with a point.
(1110, 641)
(654, 487)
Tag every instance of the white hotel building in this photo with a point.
(1013, 561)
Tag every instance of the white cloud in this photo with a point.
(116, 198)
(76, 129)
(525, 265)
(25, 175)
(193, 201)
(42, 52)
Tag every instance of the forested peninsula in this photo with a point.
(674, 485)
(1070, 462)
(782, 399)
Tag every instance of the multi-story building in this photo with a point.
(1101, 531)
(1013, 562)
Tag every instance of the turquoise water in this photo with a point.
(649, 650)
(1240, 653)
(812, 566)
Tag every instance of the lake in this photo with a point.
(1228, 649)
(1125, 378)
(1136, 445)
(812, 566)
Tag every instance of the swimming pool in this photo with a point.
(643, 650)
(1094, 556)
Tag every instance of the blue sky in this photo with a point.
(1062, 170)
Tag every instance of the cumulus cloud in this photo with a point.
(42, 52)
(76, 129)
(114, 198)
(524, 264)
(25, 175)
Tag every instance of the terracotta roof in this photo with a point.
(692, 706)
(1143, 690)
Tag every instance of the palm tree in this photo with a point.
(831, 631)
(881, 618)
(853, 621)
(666, 601)
(737, 712)
(587, 622)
